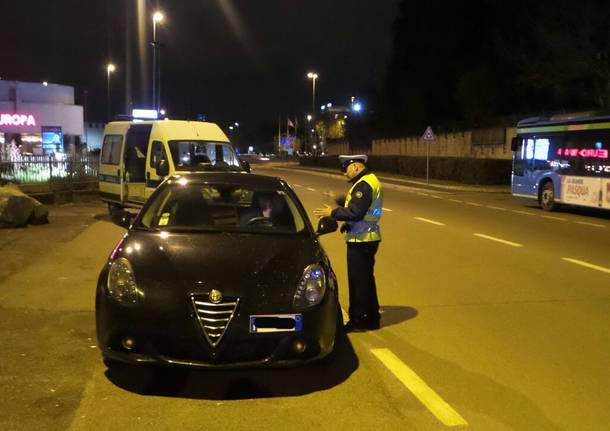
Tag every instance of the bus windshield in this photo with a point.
(191, 155)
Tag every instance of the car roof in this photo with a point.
(232, 178)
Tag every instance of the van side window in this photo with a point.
(157, 153)
(111, 151)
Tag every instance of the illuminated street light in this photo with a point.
(357, 107)
(45, 83)
(309, 117)
(157, 18)
(162, 112)
(236, 124)
(230, 127)
(110, 68)
(328, 105)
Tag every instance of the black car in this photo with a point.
(218, 270)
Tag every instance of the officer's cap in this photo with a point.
(348, 160)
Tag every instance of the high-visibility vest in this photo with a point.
(367, 229)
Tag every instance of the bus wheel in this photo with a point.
(547, 196)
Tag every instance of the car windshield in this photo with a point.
(222, 207)
(189, 155)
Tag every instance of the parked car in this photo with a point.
(218, 269)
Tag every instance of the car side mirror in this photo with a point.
(327, 225)
(162, 168)
(245, 165)
(122, 218)
(515, 143)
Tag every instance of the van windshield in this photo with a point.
(190, 155)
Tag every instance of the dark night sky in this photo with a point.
(233, 60)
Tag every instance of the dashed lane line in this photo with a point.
(496, 208)
(436, 197)
(297, 185)
(554, 218)
(586, 264)
(492, 238)
(455, 200)
(386, 209)
(423, 194)
(590, 224)
(310, 189)
(424, 393)
(474, 204)
(523, 212)
(430, 221)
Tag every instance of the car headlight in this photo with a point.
(122, 282)
(311, 288)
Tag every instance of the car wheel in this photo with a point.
(547, 196)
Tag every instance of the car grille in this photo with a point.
(214, 319)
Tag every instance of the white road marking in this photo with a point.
(424, 393)
(422, 194)
(474, 204)
(386, 209)
(310, 189)
(455, 200)
(590, 224)
(555, 218)
(492, 238)
(522, 212)
(436, 197)
(297, 185)
(430, 221)
(496, 208)
(586, 264)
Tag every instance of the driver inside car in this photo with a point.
(265, 208)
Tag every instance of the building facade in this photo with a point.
(38, 119)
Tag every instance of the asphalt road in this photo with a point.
(495, 317)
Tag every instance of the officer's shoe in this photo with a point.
(361, 325)
(355, 326)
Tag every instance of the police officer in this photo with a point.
(361, 212)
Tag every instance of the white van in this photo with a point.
(136, 156)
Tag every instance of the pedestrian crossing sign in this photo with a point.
(429, 135)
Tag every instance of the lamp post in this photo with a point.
(109, 69)
(313, 76)
(157, 17)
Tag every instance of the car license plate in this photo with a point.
(276, 323)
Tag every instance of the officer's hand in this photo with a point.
(323, 212)
(344, 228)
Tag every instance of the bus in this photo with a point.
(562, 161)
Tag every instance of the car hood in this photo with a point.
(242, 265)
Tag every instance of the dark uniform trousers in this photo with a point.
(363, 302)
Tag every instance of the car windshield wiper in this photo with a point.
(147, 229)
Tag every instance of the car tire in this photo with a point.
(547, 196)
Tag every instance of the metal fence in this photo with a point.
(44, 169)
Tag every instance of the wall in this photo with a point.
(477, 144)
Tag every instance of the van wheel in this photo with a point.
(547, 197)
(112, 207)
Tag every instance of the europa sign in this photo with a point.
(17, 120)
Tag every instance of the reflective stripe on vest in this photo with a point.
(367, 229)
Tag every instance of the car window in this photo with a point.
(228, 207)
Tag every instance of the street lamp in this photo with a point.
(109, 69)
(313, 76)
(157, 18)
